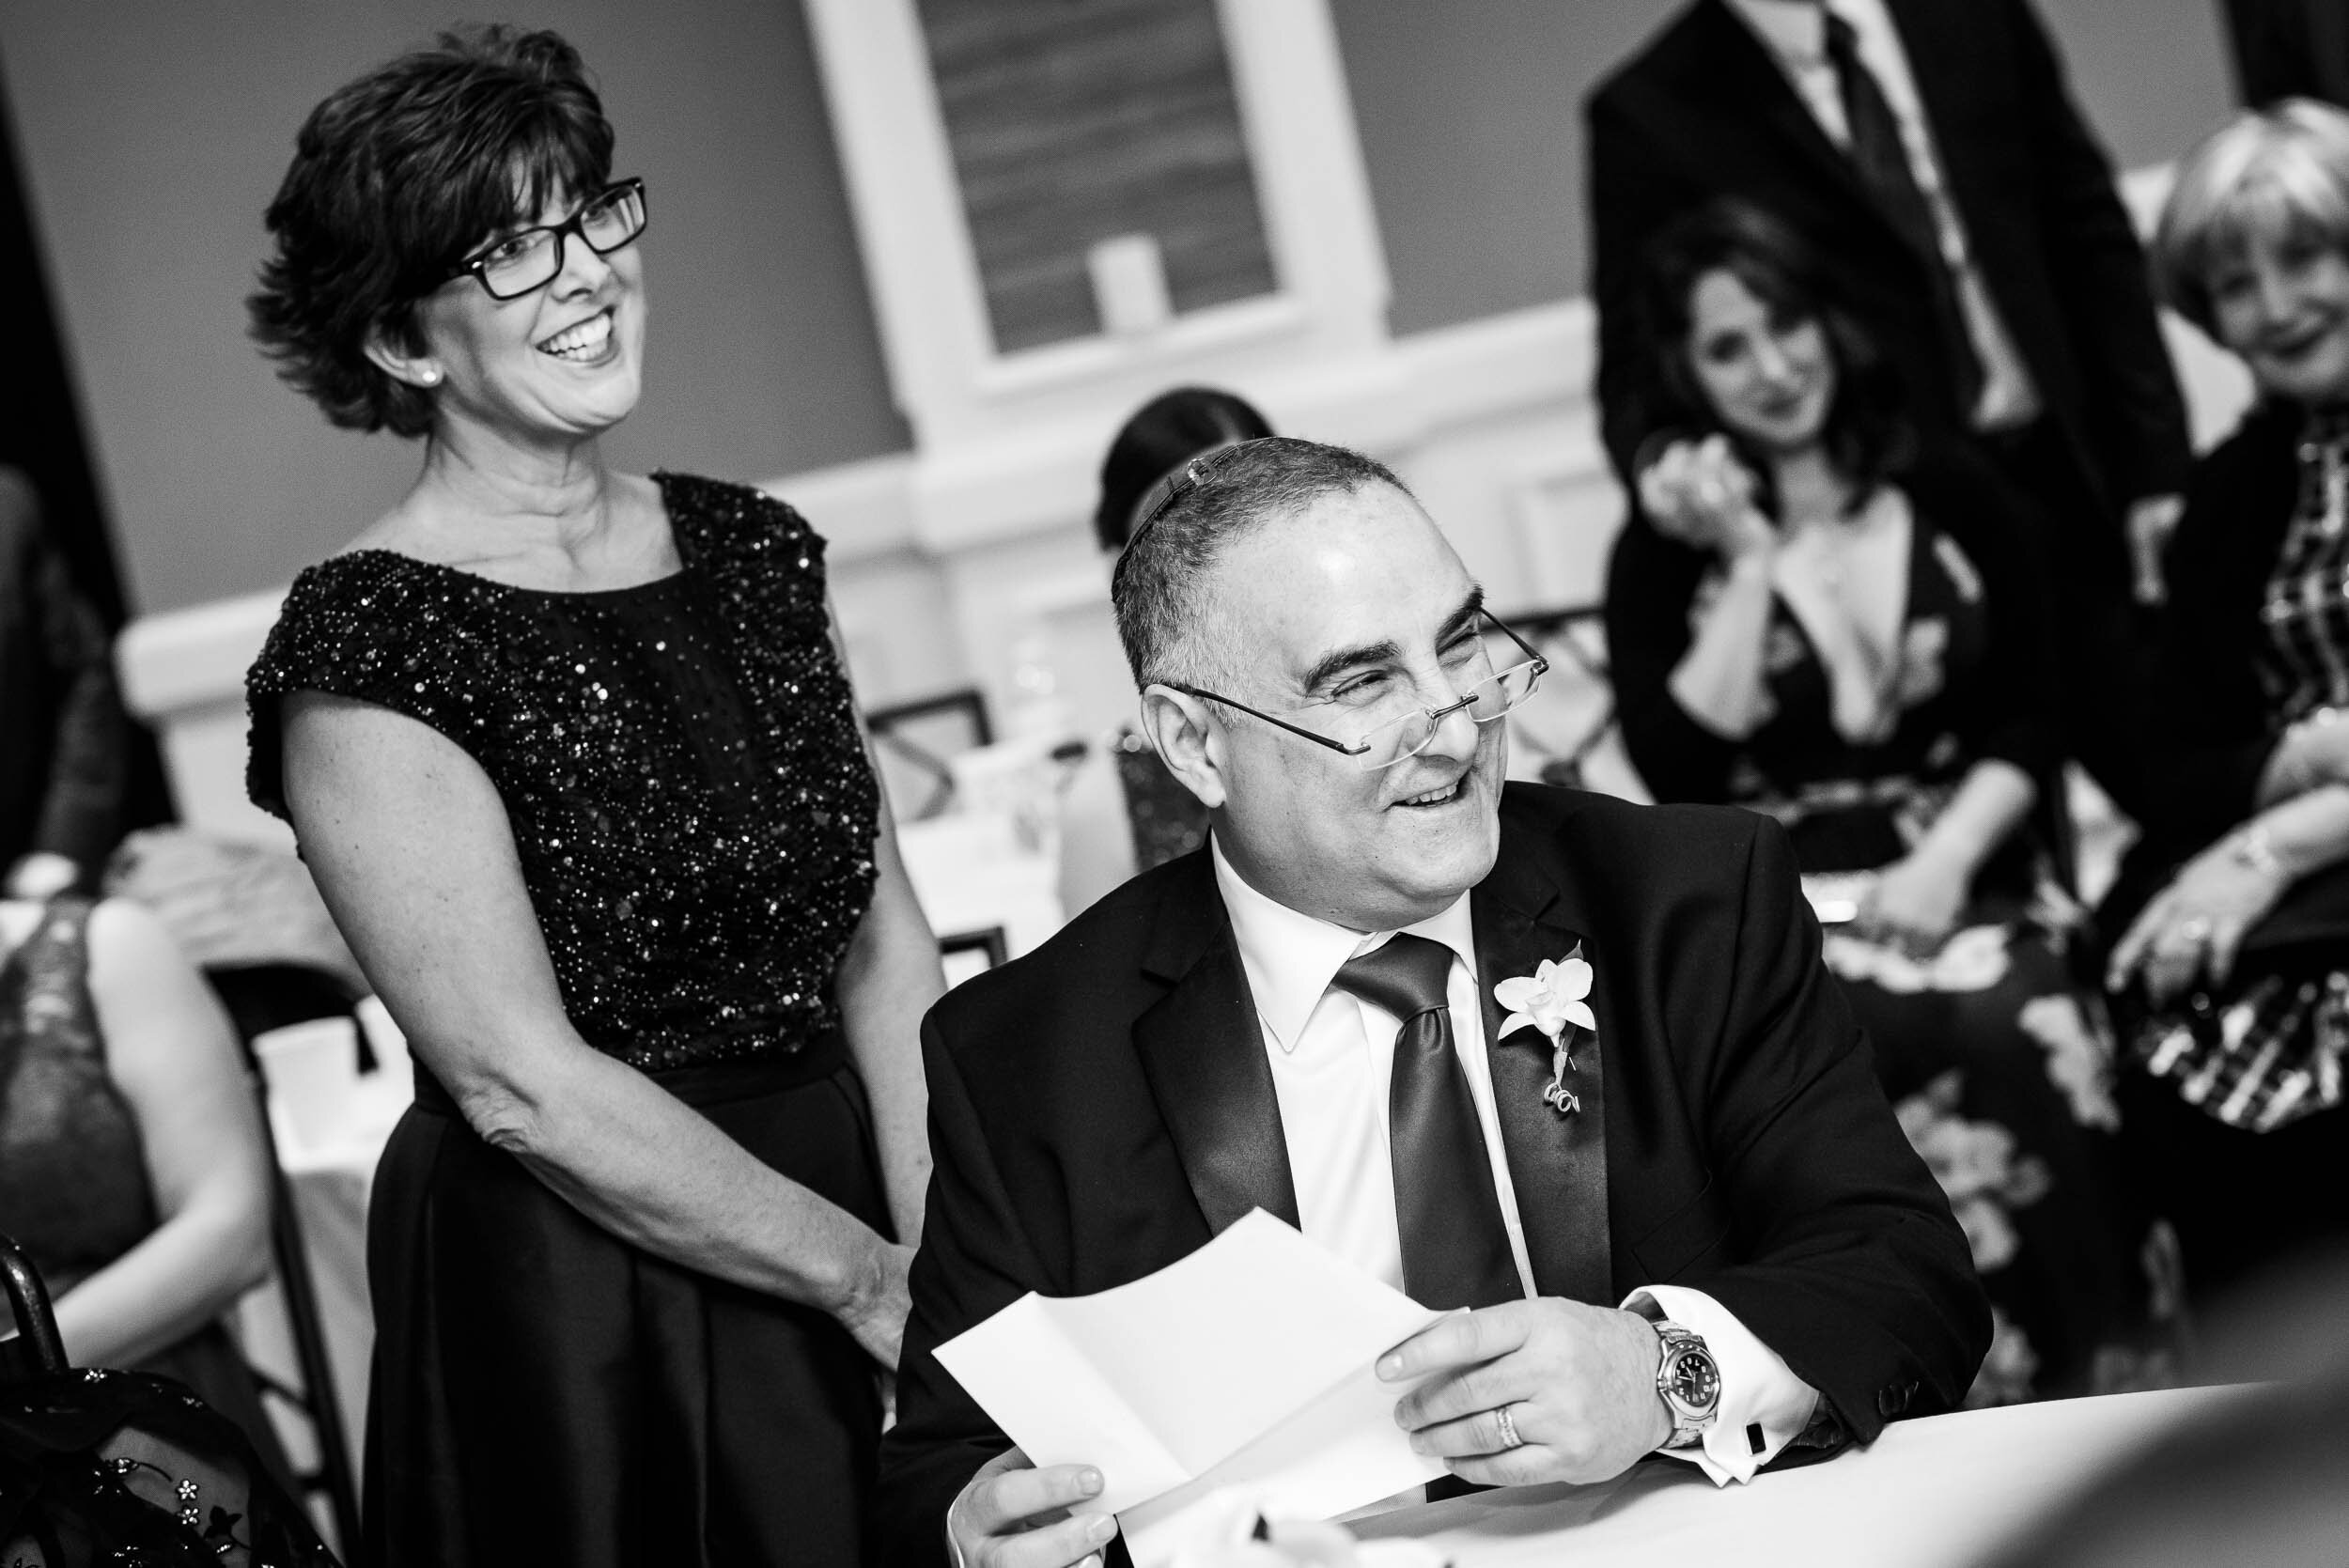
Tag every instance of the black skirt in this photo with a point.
(545, 1392)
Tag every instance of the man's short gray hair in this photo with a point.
(1159, 588)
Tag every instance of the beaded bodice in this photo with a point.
(679, 761)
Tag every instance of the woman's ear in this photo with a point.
(1188, 740)
(390, 355)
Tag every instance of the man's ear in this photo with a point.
(1188, 740)
(393, 357)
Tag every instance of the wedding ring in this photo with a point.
(1509, 1439)
(2195, 928)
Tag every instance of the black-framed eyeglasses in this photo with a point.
(1398, 739)
(532, 257)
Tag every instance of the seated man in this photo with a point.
(1302, 1017)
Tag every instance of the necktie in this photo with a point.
(1881, 158)
(1456, 1250)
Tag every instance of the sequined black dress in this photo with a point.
(694, 820)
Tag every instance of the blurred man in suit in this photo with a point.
(1932, 150)
(1696, 1228)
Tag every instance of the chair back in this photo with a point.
(261, 998)
(38, 1350)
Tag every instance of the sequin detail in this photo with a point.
(681, 762)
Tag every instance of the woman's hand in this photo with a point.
(2194, 926)
(1699, 493)
(41, 876)
(1915, 904)
(876, 1310)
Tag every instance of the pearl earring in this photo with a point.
(429, 375)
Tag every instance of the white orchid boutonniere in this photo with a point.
(1549, 1000)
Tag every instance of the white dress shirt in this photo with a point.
(1332, 1056)
(1795, 33)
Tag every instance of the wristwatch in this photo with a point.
(1688, 1381)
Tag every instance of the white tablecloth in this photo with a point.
(1937, 1492)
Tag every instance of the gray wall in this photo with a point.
(1471, 115)
(154, 132)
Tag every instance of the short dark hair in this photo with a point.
(396, 178)
(1159, 586)
(1162, 433)
(1868, 435)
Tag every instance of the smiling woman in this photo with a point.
(1819, 616)
(573, 757)
(2234, 904)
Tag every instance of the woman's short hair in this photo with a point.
(2278, 174)
(1867, 432)
(396, 178)
(1169, 429)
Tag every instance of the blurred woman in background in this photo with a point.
(2232, 964)
(573, 756)
(1814, 615)
(131, 1166)
(1133, 814)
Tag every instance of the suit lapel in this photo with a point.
(1202, 1049)
(1557, 1162)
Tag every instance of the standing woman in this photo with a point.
(572, 755)
(1815, 615)
(2233, 961)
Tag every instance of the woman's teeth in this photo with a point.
(584, 341)
(1434, 797)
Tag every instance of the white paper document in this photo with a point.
(1246, 1367)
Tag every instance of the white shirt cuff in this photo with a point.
(1761, 1396)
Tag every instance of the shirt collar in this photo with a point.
(1291, 958)
(1794, 30)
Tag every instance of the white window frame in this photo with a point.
(979, 416)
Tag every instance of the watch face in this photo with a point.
(1693, 1381)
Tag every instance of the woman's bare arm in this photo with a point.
(887, 980)
(411, 847)
(173, 1053)
(1721, 681)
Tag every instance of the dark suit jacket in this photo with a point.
(1102, 1107)
(63, 738)
(1705, 111)
(2290, 49)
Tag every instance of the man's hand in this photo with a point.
(1579, 1383)
(2152, 520)
(1014, 1515)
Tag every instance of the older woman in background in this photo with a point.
(2233, 961)
(1816, 615)
(573, 756)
